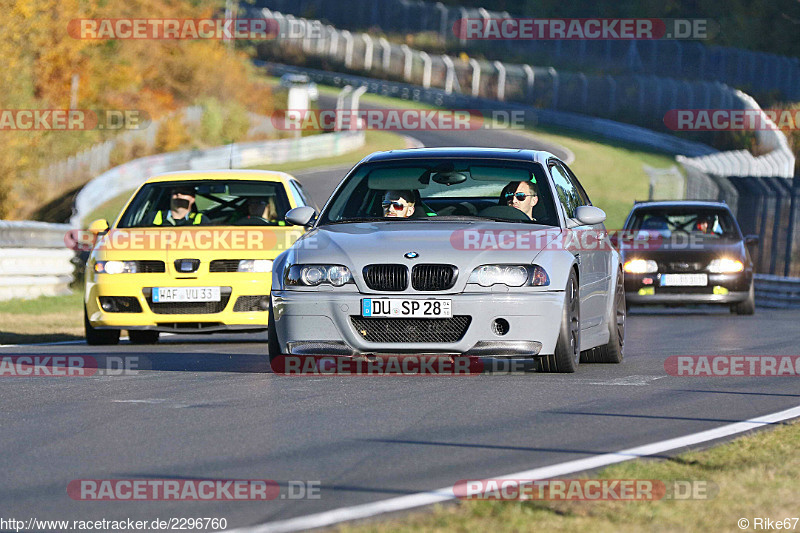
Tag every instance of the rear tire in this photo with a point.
(614, 350)
(142, 336)
(747, 307)
(98, 337)
(567, 352)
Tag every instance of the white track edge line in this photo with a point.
(410, 501)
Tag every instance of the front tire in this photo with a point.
(567, 352)
(747, 307)
(614, 350)
(98, 337)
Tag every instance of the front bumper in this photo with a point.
(721, 289)
(320, 323)
(138, 286)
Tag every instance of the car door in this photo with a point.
(584, 246)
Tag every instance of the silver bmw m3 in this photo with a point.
(461, 251)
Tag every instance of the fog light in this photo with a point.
(500, 326)
(108, 304)
(264, 303)
(647, 291)
(720, 290)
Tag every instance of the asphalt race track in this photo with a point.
(209, 407)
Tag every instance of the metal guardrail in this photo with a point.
(440, 97)
(632, 99)
(33, 260)
(133, 173)
(777, 292)
(762, 72)
(29, 234)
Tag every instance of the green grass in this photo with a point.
(753, 476)
(43, 319)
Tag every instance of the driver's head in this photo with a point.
(257, 206)
(398, 204)
(182, 197)
(522, 195)
(705, 223)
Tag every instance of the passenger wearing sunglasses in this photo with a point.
(398, 204)
(522, 195)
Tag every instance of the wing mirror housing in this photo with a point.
(587, 215)
(301, 216)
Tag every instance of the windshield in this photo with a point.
(207, 203)
(437, 189)
(668, 222)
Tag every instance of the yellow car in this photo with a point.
(191, 252)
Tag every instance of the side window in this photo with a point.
(567, 193)
(578, 187)
(297, 193)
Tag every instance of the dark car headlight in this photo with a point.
(313, 275)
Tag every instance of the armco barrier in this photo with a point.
(762, 72)
(33, 260)
(132, 174)
(774, 291)
(439, 97)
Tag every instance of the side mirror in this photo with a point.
(99, 226)
(751, 240)
(301, 216)
(590, 215)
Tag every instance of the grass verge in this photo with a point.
(43, 319)
(753, 476)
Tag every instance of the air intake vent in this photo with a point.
(433, 277)
(386, 277)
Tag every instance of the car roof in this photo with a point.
(514, 154)
(681, 203)
(226, 174)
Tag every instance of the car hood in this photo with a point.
(697, 250)
(464, 244)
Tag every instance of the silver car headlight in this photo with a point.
(511, 275)
(255, 265)
(115, 267)
(313, 275)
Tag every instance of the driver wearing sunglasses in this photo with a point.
(522, 195)
(398, 204)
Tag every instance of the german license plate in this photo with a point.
(186, 294)
(402, 308)
(684, 280)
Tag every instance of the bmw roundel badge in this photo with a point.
(411, 255)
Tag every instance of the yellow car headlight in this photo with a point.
(640, 266)
(725, 265)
